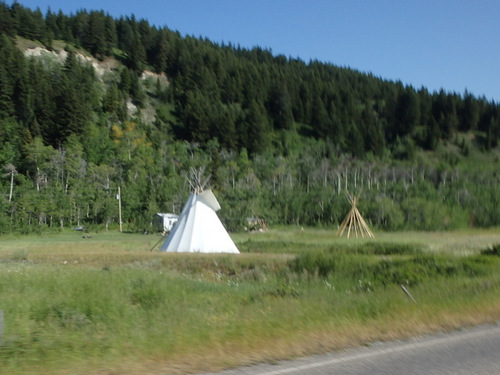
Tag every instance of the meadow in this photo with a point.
(110, 303)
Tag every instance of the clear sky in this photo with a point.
(449, 44)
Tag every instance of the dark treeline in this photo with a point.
(282, 138)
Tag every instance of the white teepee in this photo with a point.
(199, 229)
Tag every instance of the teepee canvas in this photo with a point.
(198, 228)
(354, 221)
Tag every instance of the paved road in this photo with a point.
(464, 352)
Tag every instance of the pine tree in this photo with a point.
(280, 107)
(160, 52)
(7, 23)
(95, 35)
(407, 113)
(254, 134)
(110, 34)
(433, 134)
(469, 114)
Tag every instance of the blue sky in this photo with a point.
(449, 44)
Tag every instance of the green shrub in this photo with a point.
(493, 250)
(70, 318)
(399, 272)
(407, 271)
(423, 214)
(20, 255)
(416, 269)
(388, 248)
(384, 213)
(285, 290)
(317, 262)
(145, 293)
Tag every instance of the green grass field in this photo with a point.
(109, 305)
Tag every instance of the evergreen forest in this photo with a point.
(90, 104)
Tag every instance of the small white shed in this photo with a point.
(168, 221)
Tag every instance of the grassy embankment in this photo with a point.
(107, 304)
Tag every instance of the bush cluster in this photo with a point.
(493, 250)
(398, 269)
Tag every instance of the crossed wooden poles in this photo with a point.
(354, 221)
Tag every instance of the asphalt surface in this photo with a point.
(462, 352)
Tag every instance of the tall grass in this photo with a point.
(75, 305)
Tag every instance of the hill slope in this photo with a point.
(92, 103)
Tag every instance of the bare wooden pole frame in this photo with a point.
(354, 221)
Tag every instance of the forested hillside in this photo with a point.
(89, 103)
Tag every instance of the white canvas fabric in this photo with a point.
(199, 229)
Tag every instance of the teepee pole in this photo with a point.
(349, 226)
